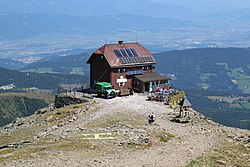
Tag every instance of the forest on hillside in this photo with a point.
(211, 69)
(71, 64)
(14, 107)
(212, 72)
(39, 80)
(219, 110)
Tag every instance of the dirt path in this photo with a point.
(129, 118)
(189, 141)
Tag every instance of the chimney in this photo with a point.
(120, 42)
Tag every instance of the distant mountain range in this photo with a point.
(18, 26)
(95, 7)
(205, 69)
(210, 69)
(11, 64)
(29, 27)
(23, 80)
(24, 62)
(238, 16)
(72, 64)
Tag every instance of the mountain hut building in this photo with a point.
(124, 65)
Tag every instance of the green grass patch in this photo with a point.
(4, 154)
(226, 154)
(236, 73)
(205, 76)
(165, 137)
(72, 144)
(5, 151)
(15, 137)
(246, 105)
(136, 147)
(204, 85)
(243, 80)
(45, 95)
(77, 70)
(204, 161)
(160, 135)
(61, 113)
(41, 70)
(23, 153)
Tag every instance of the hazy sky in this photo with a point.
(211, 5)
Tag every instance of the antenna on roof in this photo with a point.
(136, 38)
(105, 40)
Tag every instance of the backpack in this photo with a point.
(151, 116)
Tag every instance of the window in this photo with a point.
(121, 84)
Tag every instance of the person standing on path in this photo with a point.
(181, 103)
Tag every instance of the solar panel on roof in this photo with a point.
(127, 60)
(137, 59)
(123, 52)
(150, 59)
(119, 50)
(129, 52)
(126, 52)
(134, 51)
(118, 53)
(123, 61)
(131, 59)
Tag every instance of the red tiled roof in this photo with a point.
(108, 52)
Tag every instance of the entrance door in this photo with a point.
(147, 86)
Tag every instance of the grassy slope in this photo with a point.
(226, 153)
(13, 105)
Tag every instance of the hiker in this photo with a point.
(181, 106)
(150, 96)
(186, 111)
(151, 118)
(131, 92)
